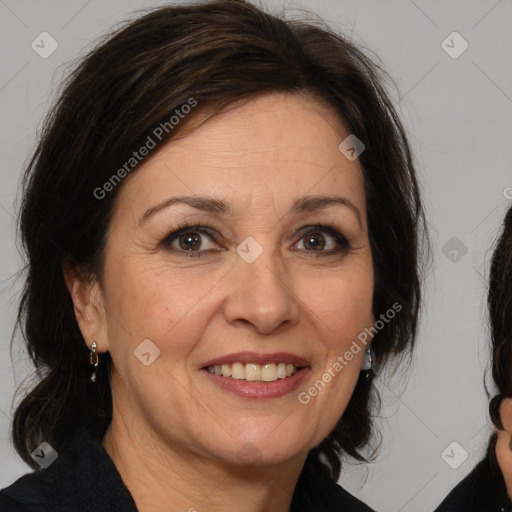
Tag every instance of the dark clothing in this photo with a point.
(483, 490)
(83, 478)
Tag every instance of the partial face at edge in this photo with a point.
(308, 294)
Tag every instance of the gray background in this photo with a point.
(458, 113)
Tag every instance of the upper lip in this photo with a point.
(258, 358)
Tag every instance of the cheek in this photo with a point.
(343, 305)
(340, 310)
(151, 301)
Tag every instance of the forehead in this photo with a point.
(264, 150)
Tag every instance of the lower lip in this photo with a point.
(261, 390)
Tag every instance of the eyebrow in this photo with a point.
(218, 207)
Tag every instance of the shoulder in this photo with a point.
(24, 495)
(348, 502)
(317, 492)
(82, 474)
(483, 490)
(7, 504)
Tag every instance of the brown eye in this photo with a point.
(189, 241)
(314, 241)
(324, 240)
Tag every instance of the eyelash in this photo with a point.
(183, 228)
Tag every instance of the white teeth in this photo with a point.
(281, 371)
(226, 370)
(269, 372)
(238, 371)
(253, 372)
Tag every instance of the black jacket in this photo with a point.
(83, 478)
(483, 490)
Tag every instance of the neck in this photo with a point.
(158, 475)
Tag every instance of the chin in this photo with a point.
(262, 451)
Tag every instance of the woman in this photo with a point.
(221, 216)
(488, 488)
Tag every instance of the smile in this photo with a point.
(255, 375)
(268, 372)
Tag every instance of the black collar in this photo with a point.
(483, 490)
(84, 478)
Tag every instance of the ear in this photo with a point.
(88, 303)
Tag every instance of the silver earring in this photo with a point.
(368, 361)
(93, 359)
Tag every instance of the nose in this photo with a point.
(261, 295)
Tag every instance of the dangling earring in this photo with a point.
(368, 362)
(93, 359)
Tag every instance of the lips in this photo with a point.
(255, 375)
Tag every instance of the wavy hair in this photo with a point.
(499, 300)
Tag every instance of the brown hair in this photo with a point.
(500, 315)
(217, 53)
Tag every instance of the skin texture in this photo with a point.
(503, 444)
(176, 437)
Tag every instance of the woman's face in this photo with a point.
(252, 284)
